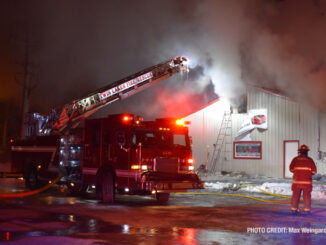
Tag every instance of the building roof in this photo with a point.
(202, 107)
(274, 92)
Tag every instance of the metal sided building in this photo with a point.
(263, 140)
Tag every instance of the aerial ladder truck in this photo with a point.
(120, 153)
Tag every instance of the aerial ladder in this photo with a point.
(62, 119)
(70, 115)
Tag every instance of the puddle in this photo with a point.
(75, 225)
(55, 227)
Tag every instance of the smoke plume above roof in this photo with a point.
(83, 46)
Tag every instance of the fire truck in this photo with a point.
(121, 153)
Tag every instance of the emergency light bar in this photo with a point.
(190, 161)
(173, 121)
(180, 122)
(127, 118)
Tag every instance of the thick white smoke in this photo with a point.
(273, 44)
(286, 49)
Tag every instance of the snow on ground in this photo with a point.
(256, 184)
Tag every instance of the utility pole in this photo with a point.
(26, 87)
(24, 36)
(25, 79)
(8, 105)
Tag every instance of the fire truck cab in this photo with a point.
(126, 154)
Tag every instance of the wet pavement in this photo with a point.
(52, 218)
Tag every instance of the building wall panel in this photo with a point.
(204, 129)
(287, 120)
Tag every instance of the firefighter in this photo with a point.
(302, 167)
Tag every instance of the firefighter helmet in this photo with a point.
(303, 148)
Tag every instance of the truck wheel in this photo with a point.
(78, 191)
(31, 179)
(83, 189)
(107, 188)
(162, 197)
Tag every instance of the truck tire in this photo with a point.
(162, 197)
(32, 181)
(107, 188)
(78, 191)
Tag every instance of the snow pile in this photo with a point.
(318, 192)
(221, 186)
(274, 188)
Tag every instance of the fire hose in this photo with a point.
(234, 195)
(30, 193)
(243, 196)
(268, 193)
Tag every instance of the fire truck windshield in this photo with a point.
(165, 139)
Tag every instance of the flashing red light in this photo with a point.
(180, 122)
(190, 161)
(12, 140)
(127, 118)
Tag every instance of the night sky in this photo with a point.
(76, 47)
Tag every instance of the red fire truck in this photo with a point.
(120, 153)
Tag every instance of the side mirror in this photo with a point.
(121, 138)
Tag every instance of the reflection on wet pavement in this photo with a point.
(76, 225)
(139, 220)
(88, 227)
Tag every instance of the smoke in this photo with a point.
(187, 96)
(175, 97)
(285, 49)
(98, 45)
(270, 43)
(273, 44)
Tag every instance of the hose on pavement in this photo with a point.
(30, 193)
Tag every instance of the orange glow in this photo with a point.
(188, 236)
(135, 167)
(164, 129)
(182, 102)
